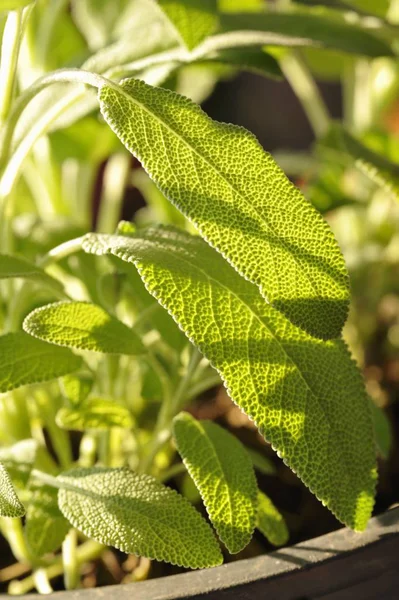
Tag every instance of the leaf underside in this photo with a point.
(224, 475)
(306, 396)
(138, 515)
(219, 176)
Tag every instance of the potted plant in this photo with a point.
(113, 330)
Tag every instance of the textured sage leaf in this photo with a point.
(193, 20)
(17, 267)
(249, 59)
(10, 506)
(224, 475)
(137, 514)
(242, 203)
(24, 360)
(305, 395)
(270, 522)
(18, 459)
(84, 326)
(94, 413)
(76, 388)
(45, 526)
(306, 28)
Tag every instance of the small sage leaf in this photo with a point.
(270, 522)
(45, 526)
(94, 413)
(306, 396)
(193, 20)
(76, 388)
(261, 463)
(15, 266)
(10, 506)
(224, 475)
(83, 326)
(219, 176)
(137, 514)
(25, 360)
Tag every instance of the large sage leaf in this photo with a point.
(84, 326)
(223, 473)
(242, 203)
(193, 20)
(10, 506)
(137, 514)
(306, 396)
(24, 360)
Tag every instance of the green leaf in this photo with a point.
(45, 526)
(137, 514)
(17, 267)
(242, 203)
(193, 20)
(382, 430)
(97, 19)
(248, 59)
(270, 522)
(24, 360)
(241, 5)
(84, 326)
(224, 475)
(306, 29)
(13, 4)
(18, 459)
(261, 463)
(95, 413)
(76, 388)
(306, 396)
(10, 506)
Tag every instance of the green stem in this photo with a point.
(41, 580)
(9, 57)
(174, 470)
(59, 438)
(114, 183)
(212, 380)
(358, 110)
(301, 80)
(85, 553)
(170, 407)
(12, 530)
(69, 560)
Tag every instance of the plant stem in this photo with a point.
(9, 58)
(174, 470)
(13, 532)
(170, 407)
(69, 560)
(114, 183)
(86, 552)
(357, 95)
(305, 88)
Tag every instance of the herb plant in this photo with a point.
(229, 275)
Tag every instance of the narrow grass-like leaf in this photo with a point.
(76, 388)
(270, 522)
(224, 475)
(18, 459)
(323, 31)
(10, 506)
(306, 396)
(83, 326)
(242, 203)
(193, 20)
(94, 413)
(45, 526)
(137, 514)
(24, 360)
(17, 267)
(249, 59)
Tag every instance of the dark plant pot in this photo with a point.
(342, 565)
